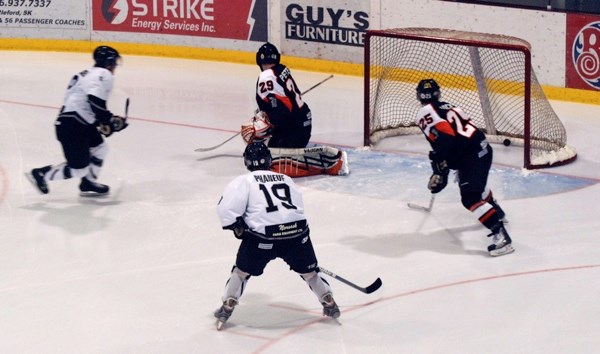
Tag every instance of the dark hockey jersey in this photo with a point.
(278, 95)
(450, 132)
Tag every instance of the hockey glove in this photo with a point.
(239, 228)
(118, 123)
(439, 179)
(105, 129)
(259, 128)
(114, 124)
(437, 183)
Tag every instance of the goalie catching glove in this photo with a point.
(114, 124)
(259, 128)
(439, 179)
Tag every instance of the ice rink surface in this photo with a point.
(142, 270)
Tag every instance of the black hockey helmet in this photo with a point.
(267, 54)
(257, 156)
(428, 91)
(106, 57)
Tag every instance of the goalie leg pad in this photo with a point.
(311, 161)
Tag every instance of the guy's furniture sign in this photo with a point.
(330, 22)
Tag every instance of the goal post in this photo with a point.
(490, 76)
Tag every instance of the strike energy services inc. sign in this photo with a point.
(232, 19)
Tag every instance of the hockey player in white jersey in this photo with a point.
(81, 122)
(265, 210)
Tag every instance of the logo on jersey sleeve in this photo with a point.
(586, 54)
(115, 11)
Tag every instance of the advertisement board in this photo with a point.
(333, 30)
(583, 52)
(43, 14)
(229, 19)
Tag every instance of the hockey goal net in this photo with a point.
(489, 76)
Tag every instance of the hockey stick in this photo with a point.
(369, 289)
(238, 133)
(317, 84)
(420, 207)
(216, 146)
(126, 108)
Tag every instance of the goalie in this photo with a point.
(284, 122)
(296, 162)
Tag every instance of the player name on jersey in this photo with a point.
(269, 178)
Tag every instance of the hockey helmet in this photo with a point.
(106, 57)
(428, 91)
(267, 54)
(257, 156)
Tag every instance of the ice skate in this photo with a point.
(330, 308)
(223, 313)
(36, 177)
(92, 189)
(502, 244)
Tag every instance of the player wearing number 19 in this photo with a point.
(265, 210)
(459, 145)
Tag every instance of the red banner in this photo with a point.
(205, 18)
(583, 52)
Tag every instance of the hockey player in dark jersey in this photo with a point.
(284, 121)
(279, 97)
(459, 145)
(265, 210)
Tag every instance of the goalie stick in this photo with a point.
(367, 290)
(210, 148)
(426, 209)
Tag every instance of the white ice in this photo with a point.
(143, 270)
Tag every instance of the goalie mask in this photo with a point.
(257, 156)
(267, 54)
(428, 91)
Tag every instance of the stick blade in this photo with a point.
(373, 287)
(418, 207)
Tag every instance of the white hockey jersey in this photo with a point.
(95, 81)
(269, 202)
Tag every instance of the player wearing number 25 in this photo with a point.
(459, 145)
(265, 210)
(81, 122)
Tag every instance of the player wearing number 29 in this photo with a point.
(284, 121)
(279, 97)
(81, 122)
(459, 145)
(265, 210)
